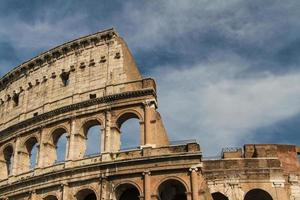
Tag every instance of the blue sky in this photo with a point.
(227, 71)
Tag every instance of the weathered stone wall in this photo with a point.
(89, 65)
(94, 81)
(272, 168)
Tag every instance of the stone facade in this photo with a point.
(93, 81)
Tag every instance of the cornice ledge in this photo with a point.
(76, 106)
(53, 53)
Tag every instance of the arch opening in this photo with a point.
(86, 194)
(258, 194)
(172, 190)
(219, 196)
(126, 192)
(93, 136)
(59, 138)
(51, 197)
(130, 130)
(8, 154)
(32, 150)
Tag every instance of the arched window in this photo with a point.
(32, 149)
(126, 192)
(258, 194)
(129, 127)
(8, 153)
(59, 137)
(93, 138)
(86, 194)
(219, 196)
(172, 190)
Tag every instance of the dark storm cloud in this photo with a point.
(236, 63)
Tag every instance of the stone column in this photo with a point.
(103, 187)
(42, 151)
(147, 185)
(68, 150)
(71, 141)
(65, 193)
(194, 182)
(15, 167)
(107, 131)
(77, 141)
(102, 138)
(3, 170)
(37, 163)
(22, 162)
(149, 110)
(48, 154)
(33, 195)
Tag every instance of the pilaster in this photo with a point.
(147, 185)
(194, 183)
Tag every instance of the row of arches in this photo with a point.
(254, 194)
(58, 144)
(168, 190)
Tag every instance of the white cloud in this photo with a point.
(209, 102)
(213, 100)
(42, 33)
(157, 23)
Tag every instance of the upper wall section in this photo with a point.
(70, 73)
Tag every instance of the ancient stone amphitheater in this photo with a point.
(93, 82)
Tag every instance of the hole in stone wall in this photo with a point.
(118, 55)
(93, 96)
(65, 78)
(92, 63)
(15, 98)
(103, 59)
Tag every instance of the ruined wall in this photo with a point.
(273, 169)
(94, 80)
(87, 66)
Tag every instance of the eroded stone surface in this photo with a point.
(94, 80)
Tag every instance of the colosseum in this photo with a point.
(93, 83)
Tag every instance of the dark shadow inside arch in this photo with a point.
(127, 192)
(86, 194)
(92, 131)
(129, 125)
(172, 190)
(8, 157)
(51, 197)
(258, 194)
(219, 196)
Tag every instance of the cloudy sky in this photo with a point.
(228, 72)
